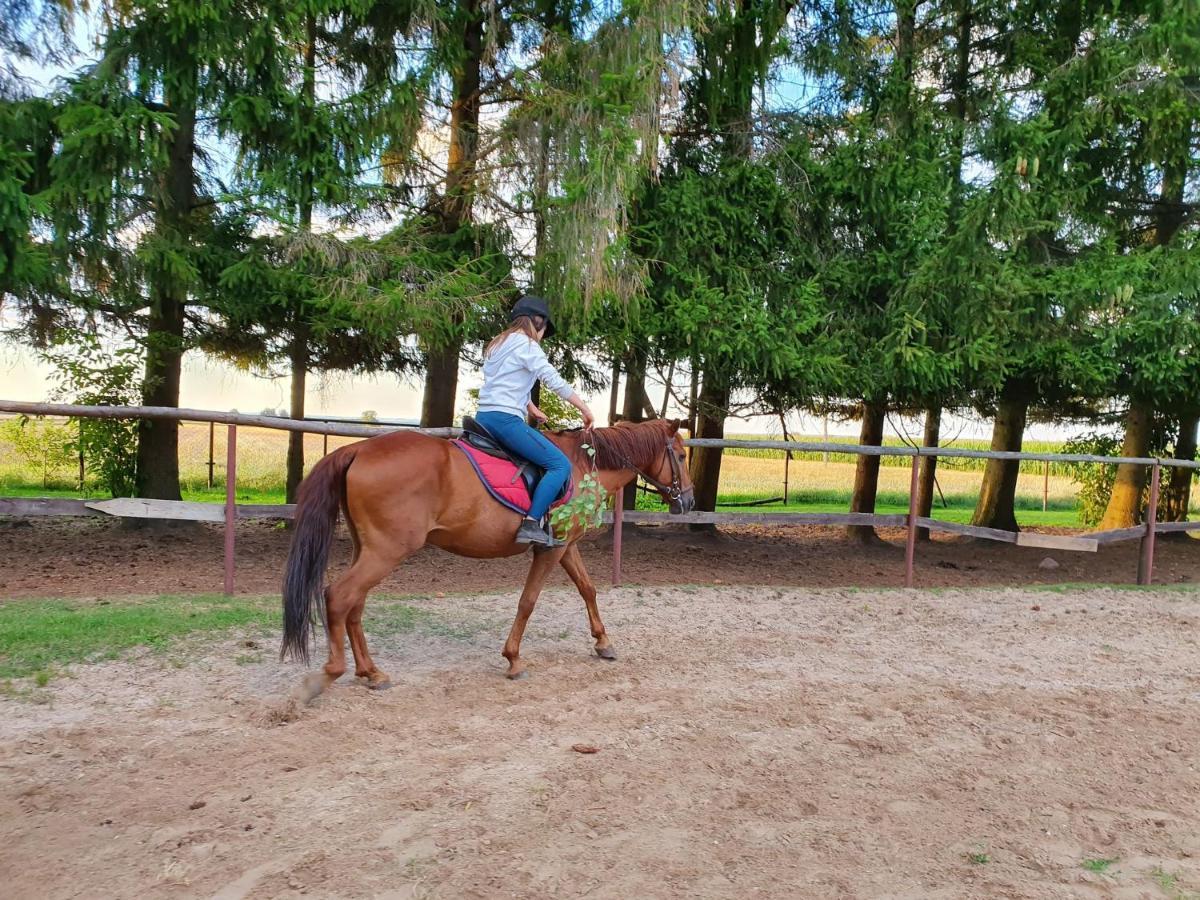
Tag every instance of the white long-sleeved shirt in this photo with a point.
(509, 374)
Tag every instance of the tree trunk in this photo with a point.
(1124, 508)
(298, 355)
(667, 390)
(866, 470)
(535, 397)
(295, 455)
(1179, 486)
(693, 397)
(1168, 219)
(441, 387)
(614, 390)
(997, 495)
(927, 476)
(632, 408)
(158, 441)
(906, 31)
(705, 466)
(441, 363)
(635, 392)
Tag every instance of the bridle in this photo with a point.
(674, 491)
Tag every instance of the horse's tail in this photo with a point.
(321, 493)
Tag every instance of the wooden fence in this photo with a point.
(231, 512)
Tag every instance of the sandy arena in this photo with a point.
(751, 742)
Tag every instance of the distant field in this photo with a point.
(890, 461)
(814, 485)
(826, 487)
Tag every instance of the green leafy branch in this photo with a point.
(586, 508)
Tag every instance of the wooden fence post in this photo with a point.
(910, 543)
(1146, 561)
(787, 458)
(211, 462)
(230, 505)
(82, 471)
(1046, 487)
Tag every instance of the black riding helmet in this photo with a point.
(532, 305)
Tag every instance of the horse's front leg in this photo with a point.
(572, 561)
(543, 562)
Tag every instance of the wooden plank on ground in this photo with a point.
(141, 508)
(1165, 527)
(1119, 534)
(1020, 538)
(991, 534)
(44, 506)
(1057, 542)
(266, 511)
(639, 517)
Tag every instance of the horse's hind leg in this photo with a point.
(364, 666)
(344, 602)
(572, 561)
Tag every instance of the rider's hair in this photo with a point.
(526, 325)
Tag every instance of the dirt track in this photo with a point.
(752, 742)
(88, 558)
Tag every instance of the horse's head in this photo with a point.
(670, 474)
(653, 450)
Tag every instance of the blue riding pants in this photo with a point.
(515, 435)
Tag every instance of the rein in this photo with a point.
(674, 490)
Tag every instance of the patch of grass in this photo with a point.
(38, 636)
(1170, 885)
(391, 614)
(1099, 865)
(392, 617)
(978, 859)
(1165, 880)
(960, 510)
(1069, 587)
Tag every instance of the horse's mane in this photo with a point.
(637, 443)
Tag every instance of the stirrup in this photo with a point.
(534, 533)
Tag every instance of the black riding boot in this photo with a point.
(531, 532)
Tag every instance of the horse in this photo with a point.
(402, 490)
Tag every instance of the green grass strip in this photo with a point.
(38, 636)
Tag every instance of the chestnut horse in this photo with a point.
(402, 490)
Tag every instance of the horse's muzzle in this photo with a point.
(684, 503)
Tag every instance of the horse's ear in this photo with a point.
(675, 425)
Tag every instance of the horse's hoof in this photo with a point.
(516, 674)
(310, 688)
(606, 653)
(382, 685)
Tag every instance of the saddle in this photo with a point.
(508, 478)
(481, 439)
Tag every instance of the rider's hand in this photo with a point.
(538, 414)
(588, 420)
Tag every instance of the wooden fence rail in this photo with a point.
(210, 512)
